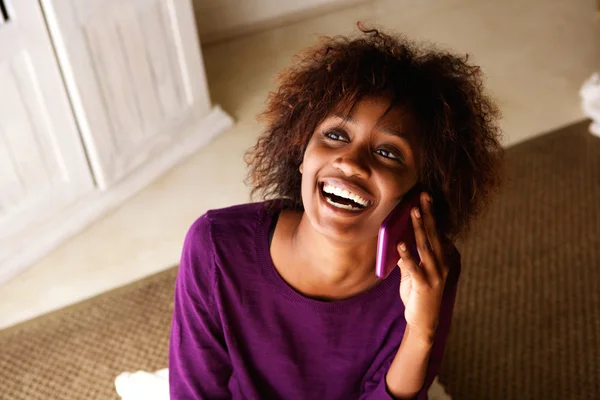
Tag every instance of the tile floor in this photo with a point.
(535, 54)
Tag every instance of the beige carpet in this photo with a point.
(77, 352)
(527, 319)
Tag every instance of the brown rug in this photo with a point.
(526, 324)
(527, 319)
(77, 352)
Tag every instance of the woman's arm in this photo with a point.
(428, 291)
(199, 365)
(407, 372)
(418, 361)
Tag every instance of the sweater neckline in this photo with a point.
(264, 220)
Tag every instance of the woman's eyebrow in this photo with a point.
(389, 131)
(346, 118)
(392, 132)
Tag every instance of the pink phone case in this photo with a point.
(396, 227)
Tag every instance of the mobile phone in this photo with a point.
(397, 227)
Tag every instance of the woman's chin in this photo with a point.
(340, 224)
(344, 231)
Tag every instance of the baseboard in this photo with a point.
(74, 219)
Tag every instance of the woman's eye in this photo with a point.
(388, 154)
(336, 135)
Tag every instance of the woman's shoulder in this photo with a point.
(226, 243)
(230, 226)
(218, 231)
(237, 218)
(226, 219)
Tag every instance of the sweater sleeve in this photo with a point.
(199, 364)
(378, 388)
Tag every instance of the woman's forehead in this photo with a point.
(378, 109)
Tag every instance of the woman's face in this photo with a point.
(356, 170)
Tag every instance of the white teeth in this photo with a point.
(327, 188)
(338, 205)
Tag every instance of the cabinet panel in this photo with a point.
(135, 75)
(23, 125)
(43, 168)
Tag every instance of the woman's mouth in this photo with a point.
(342, 198)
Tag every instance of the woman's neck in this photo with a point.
(318, 267)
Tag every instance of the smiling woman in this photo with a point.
(364, 154)
(279, 299)
(454, 121)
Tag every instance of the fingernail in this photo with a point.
(402, 247)
(417, 213)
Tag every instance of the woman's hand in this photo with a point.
(422, 285)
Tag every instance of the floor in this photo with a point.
(535, 55)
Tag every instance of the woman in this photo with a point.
(279, 299)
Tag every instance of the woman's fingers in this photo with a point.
(428, 259)
(408, 265)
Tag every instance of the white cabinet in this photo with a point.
(134, 73)
(97, 98)
(43, 168)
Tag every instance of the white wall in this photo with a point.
(222, 19)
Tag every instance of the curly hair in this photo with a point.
(458, 133)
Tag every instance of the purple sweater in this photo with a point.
(239, 331)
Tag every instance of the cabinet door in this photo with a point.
(135, 74)
(43, 167)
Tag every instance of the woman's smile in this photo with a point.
(344, 195)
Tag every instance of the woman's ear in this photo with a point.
(300, 168)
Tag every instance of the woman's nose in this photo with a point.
(353, 163)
